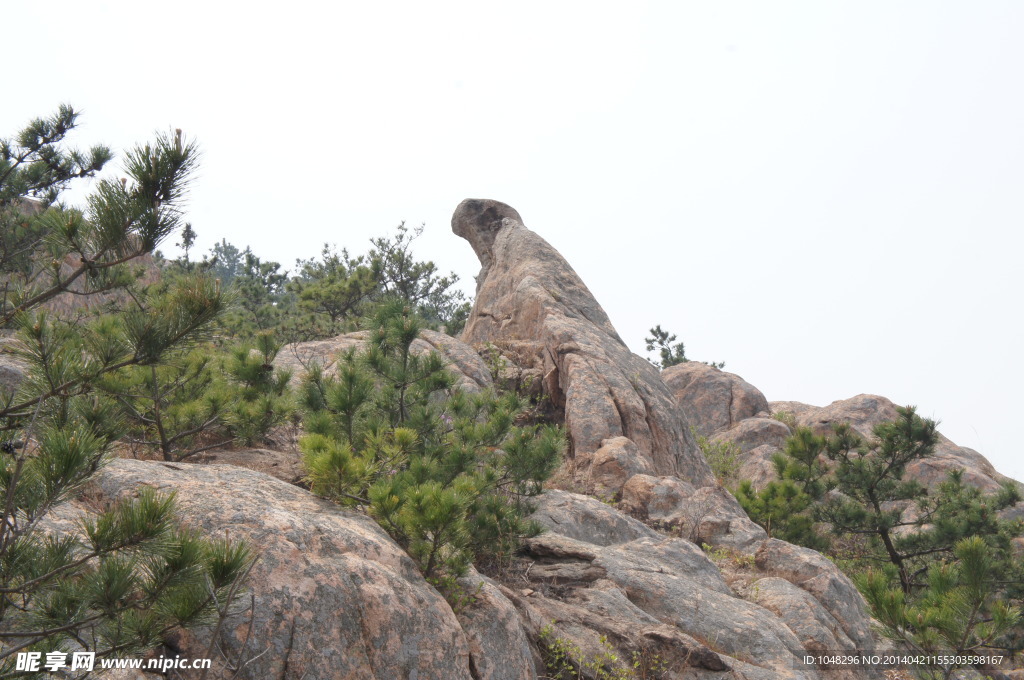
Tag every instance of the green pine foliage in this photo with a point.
(331, 292)
(784, 511)
(447, 474)
(912, 546)
(258, 297)
(670, 352)
(785, 507)
(874, 489)
(203, 398)
(172, 408)
(35, 167)
(260, 398)
(399, 275)
(326, 295)
(962, 611)
(130, 575)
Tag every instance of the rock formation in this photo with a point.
(711, 399)
(597, 568)
(865, 411)
(471, 373)
(531, 302)
(726, 408)
(335, 597)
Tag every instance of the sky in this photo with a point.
(826, 196)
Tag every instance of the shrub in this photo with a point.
(447, 474)
(722, 456)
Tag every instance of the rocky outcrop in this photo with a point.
(616, 461)
(862, 413)
(530, 301)
(499, 647)
(335, 597)
(711, 399)
(708, 515)
(757, 440)
(587, 519)
(285, 465)
(470, 371)
(865, 411)
(751, 433)
(815, 574)
(613, 577)
(819, 632)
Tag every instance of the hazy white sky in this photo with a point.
(825, 195)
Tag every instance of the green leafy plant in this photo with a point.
(564, 660)
(724, 457)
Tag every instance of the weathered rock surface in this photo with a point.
(593, 622)
(818, 631)
(335, 596)
(584, 589)
(616, 461)
(587, 519)
(865, 411)
(977, 470)
(707, 515)
(469, 369)
(793, 408)
(757, 465)
(529, 299)
(751, 433)
(815, 574)
(285, 465)
(711, 399)
(499, 647)
(757, 440)
(862, 412)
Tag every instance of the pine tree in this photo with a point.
(962, 611)
(331, 294)
(785, 507)
(447, 474)
(132, 575)
(908, 536)
(399, 275)
(336, 290)
(670, 352)
(258, 394)
(871, 476)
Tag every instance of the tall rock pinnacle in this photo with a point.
(531, 303)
